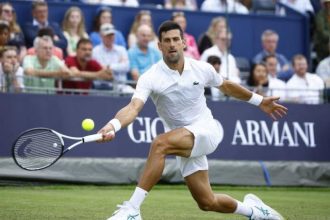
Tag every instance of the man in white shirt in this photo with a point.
(176, 86)
(323, 70)
(11, 73)
(276, 87)
(223, 6)
(114, 57)
(228, 68)
(304, 87)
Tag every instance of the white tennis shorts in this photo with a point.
(208, 134)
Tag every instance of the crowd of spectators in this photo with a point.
(44, 55)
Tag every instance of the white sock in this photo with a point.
(138, 197)
(243, 209)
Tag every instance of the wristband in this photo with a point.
(116, 124)
(255, 99)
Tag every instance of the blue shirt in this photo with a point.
(143, 61)
(119, 38)
(281, 59)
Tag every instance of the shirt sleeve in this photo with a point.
(143, 88)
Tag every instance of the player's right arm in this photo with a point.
(124, 116)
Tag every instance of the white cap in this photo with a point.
(107, 29)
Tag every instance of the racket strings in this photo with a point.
(37, 149)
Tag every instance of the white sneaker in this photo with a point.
(126, 212)
(261, 211)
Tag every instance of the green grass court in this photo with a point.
(84, 202)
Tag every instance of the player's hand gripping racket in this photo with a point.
(39, 148)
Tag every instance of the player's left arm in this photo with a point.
(266, 104)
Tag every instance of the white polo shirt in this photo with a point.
(179, 99)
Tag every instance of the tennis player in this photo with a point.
(176, 86)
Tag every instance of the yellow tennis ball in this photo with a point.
(87, 124)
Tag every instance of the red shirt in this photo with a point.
(92, 66)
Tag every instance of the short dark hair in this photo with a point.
(168, 26)
(268, 57)
(84, 41)
(38, 3)
(46, 31)
(214, 60)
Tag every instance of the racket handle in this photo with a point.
(94, 137)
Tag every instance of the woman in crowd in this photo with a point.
(191, 46)
(73, 27)
(143, 17)
(16, 36)
(103, 16)
(207, 39)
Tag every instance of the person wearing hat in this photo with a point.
(322, 31)
(104, 15)
(112, 56)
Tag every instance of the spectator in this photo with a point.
(181, 4)
(269, 39)
(73, 27)
(47, 31)
(303, 6)
(228, 68)
(143, 17)
(323, 70)
(277, 87)
(85, 67)
(224, 6)
(304, 87)
(207, 39)
(11, 74)
(4, 33)
(257, 80)
(142, 56)
(104, 16)
(43, 67)
(191, 49)
(113, 57)
(322, 31)
(40, 20)
(215, 93)
(7, 13)
(125, 3)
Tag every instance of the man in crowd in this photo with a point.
(84, 67)
(142, 56)
(40, 20)
(113, 57)
(304, 87)
(269, 39)
(43, 67)
(11, 74)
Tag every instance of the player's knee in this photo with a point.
(159, 146)
(206, 204)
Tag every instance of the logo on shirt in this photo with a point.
(195, 83)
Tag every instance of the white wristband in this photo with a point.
(116, 124)
(255, 99)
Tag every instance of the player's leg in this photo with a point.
(199, 186)
(252, 207)
(176, 142)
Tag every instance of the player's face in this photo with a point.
(172, 46)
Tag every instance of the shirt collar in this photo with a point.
(36, 23)
(186, 67)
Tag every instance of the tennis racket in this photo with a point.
(39, 148)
